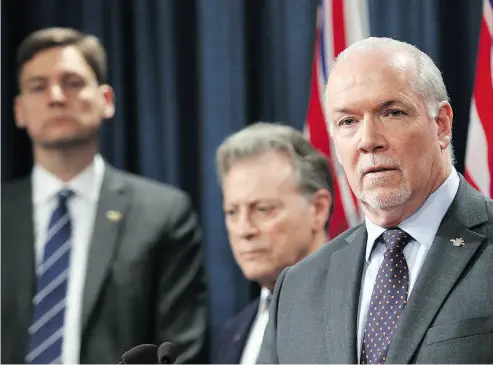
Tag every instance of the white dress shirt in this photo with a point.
(82, 208)
(256, 335)
(422, 226)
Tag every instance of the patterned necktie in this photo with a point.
(46, 330)
(388, 298)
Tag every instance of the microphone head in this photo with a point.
(167, 353)
(141, 354)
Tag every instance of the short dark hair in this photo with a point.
(88, 45)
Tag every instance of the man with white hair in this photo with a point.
(413, 282)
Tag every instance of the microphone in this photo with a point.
(141, 354)
(167, 353)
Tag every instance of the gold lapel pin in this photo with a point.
(113, 216)
(458, 242)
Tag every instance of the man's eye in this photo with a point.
(395, 113)
(346, 122)
(74, 83)
(36, 88)
(264, 209)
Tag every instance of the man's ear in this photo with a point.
(321, 202)
(20, 121)
(109, 101)
(444, 124)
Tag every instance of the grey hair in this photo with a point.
(428, 81)
(311, 167)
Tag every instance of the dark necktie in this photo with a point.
(49, 302)
(388, 298)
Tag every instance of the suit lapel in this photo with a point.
(441, 270)
(19, 239)
(110, 214)
(240, 335)
(341, 307)
(25, 251)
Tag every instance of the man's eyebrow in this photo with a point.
(34, 79)
(343, 111)
(43, 78)
(383, 105)
(388, 103)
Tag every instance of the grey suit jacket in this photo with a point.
(145, 281)
(449, 315)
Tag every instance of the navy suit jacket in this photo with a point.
(234, 334)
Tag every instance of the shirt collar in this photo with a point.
(86, 184)
(423, 224)
(265, 296)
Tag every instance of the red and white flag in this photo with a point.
(479, 148)
(339, 23)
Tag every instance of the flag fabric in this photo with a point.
(339, 23)
(479, 147)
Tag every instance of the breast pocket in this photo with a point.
(462, 342)
(463, 328)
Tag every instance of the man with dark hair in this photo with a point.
(94, 260)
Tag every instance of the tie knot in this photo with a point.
(64, 195)
(395, 239)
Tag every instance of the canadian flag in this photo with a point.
(339, 23)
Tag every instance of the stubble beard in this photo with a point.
(386, 199)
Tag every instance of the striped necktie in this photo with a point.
(49, 302)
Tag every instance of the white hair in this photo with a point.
(428, 81)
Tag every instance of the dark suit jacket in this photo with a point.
(449, 315)
(145, 281)
(233, 336)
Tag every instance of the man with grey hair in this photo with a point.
(277, 191)
(413, 282)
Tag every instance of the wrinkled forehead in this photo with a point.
(270, 174)
(369, 67)
(370, 76)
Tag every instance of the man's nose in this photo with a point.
(246, 227)
(57, 94)
(372, 137)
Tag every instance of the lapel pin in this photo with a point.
(113, 216)
(458, 242)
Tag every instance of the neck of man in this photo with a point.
(392, 217)
(319, 239)
(66, 162)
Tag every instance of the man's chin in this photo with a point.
(66, 142)
(386, 199)
(258, 273)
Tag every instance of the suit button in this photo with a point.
(237, 337)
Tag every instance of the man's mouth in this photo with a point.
(379, 169)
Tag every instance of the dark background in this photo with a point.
(187, 73)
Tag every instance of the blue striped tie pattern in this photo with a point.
(46, 330)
